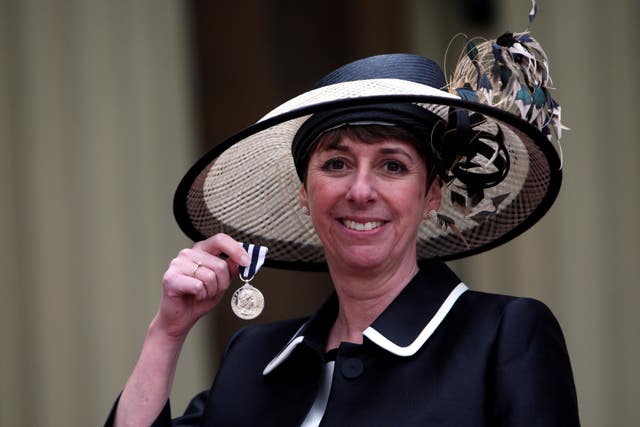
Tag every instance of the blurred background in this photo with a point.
(104, 105)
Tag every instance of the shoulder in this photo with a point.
(513, 323)
(522, 325)
(529, 368)
(526, 317)
(508, 308)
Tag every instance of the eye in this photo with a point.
(394, 166)
(334, 164)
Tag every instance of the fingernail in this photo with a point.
(245, 259)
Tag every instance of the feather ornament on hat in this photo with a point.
(511, 72)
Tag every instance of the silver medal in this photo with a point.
(247, 302)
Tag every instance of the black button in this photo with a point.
(351, 368)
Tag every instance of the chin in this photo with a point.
(362, 259)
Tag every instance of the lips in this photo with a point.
(361, 226)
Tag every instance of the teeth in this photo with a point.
(359, 226)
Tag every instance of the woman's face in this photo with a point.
(366, 201)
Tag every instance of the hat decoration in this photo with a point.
(510, 72)
(490, 129)
(518, 65)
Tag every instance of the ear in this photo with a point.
(302, 196)
(434, 198)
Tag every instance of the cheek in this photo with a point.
(319, 197)
(410, 202)
(321, 189)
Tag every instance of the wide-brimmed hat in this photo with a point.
(492, 128)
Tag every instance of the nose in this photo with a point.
(362, 188)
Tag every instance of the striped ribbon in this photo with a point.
(257, 254)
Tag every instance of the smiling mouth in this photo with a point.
(361, 226)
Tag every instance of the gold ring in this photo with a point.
(198, 265)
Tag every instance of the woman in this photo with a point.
(390, 176)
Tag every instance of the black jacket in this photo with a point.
(439, 355)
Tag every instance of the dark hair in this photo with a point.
(377, 133)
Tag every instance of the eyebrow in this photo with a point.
(394, 150)
(338, 146)
(335, 145)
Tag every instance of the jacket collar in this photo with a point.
(403, 327)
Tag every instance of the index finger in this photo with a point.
(223, 244)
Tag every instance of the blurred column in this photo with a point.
(95, 130)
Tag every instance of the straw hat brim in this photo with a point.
(247, 185)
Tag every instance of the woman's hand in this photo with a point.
(195, 283)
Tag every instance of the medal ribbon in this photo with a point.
(257, 254)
